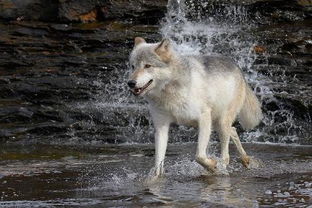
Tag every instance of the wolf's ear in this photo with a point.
(163, 50)
(138, 41)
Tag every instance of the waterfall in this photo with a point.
(206, 27)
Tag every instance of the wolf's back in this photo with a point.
(250, 114)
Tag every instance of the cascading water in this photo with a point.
(198, 27)
(202, 27)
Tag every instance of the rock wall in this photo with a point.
(82, 10)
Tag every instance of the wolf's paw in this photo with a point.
(245, 161)
(154, 175)
(221, 168)
(213, 167)
(209, 164)
(226, 161)
(151, 179)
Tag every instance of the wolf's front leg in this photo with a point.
(161, 140)
(203, 140)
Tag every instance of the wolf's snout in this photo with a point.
(132, 83)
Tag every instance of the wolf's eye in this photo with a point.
(147, 66)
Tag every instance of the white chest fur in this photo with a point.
(182, 108)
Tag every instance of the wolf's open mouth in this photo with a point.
(138, 91)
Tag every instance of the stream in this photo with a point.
(114, 176)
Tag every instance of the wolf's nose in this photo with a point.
(132, 83)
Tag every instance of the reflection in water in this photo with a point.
(220, 190)
(195, 187)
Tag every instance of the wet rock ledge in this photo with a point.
(82, 10)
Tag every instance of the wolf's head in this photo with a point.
(150, 63)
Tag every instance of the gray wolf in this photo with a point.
(202, 91)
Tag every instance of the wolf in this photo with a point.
(206, 92)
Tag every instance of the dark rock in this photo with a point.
(280, 61)
(91, 10)
(45, 10)
(82, 10)
(4, 81)
(47, 129)
(31, 32)
(13, 114)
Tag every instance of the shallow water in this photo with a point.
(114, 176)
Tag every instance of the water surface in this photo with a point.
(115, 176)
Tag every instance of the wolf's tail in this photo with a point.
(250, 114)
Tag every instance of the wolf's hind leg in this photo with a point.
(244, 157)
(203, 140)
(224, 132)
